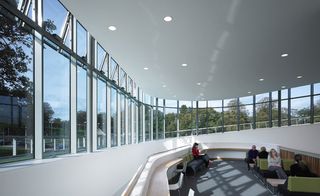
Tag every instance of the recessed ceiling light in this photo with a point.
(174, 95)
(167, 18)
(299, 77)
(249, 92)
(146, 68)
(184, 65)
(112, 28)
(284, 55)
(199, 83)
(164, 86)
(261, 79)
(283, 86)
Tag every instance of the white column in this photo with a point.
(126, 117)
(119, 119)
(151, 123)
(143, 124)
(73, 106)
(14, 147)
(38, 101)
(94, 112)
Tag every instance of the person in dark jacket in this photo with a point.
(263, 154)
(299, 168)
(252, 156)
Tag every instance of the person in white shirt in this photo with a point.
(274, 164)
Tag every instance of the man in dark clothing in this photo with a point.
(299, 168)
(252, 156)
(263, 154)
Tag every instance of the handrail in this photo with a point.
(136, 176)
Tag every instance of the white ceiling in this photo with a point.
(228, 44)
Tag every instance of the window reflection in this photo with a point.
(81, 108)
(114, 117)
(101, 114)
(56, 99)
(16, 92)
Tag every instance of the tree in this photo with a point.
(15, 40)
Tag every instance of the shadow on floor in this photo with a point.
(225, 178)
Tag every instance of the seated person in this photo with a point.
(263, 154)
(196, 154)
(274, 164)
(299, 168)
(252, 156)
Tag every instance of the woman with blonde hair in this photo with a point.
(274, 164)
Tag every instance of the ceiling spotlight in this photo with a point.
(174, 95)
(283, 86)
(164, 86)
(146, 68)
(199, 83)
(261, 79)
(249, 92)
(299, 77)
(184, 65)
(112, 28)
(167, 18)
(284, 55)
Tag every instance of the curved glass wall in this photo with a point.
(106, 97)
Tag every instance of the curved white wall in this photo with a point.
(108, 172)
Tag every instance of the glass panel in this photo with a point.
(275, 113)
(57, 21)
(160, 102)
(186, 120)
(170, 122)
(274, 95)
(140, 123)
(215, 104)
(155, 134)
(16, 91)
(300, 91)
(202, 121)
(202, 104)
(81, 109)
(284, 94)
(81, 41)
(23, 6)
(147, 122)
(129, 121)
(146, 99)
(135, 122)
(123, 79)
(284, 113)
(317, 109)
(160, 123)
(185, 103)
(245, 100)
(56, 99)
(130, 85)
(263, 97)
(123, 119)
(102, 60)
(246, 117)
(114, 116)
(316, 88)
(230, 102)
(262, 115)
(101, 114)
(214, 120)
(171, 103)
(230, 117)
(114, 71)
(300, 111)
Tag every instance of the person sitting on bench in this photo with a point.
(274, 164)
(299, 168)
(252, 156)
(196, 154)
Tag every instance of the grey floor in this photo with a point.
(225, 178)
